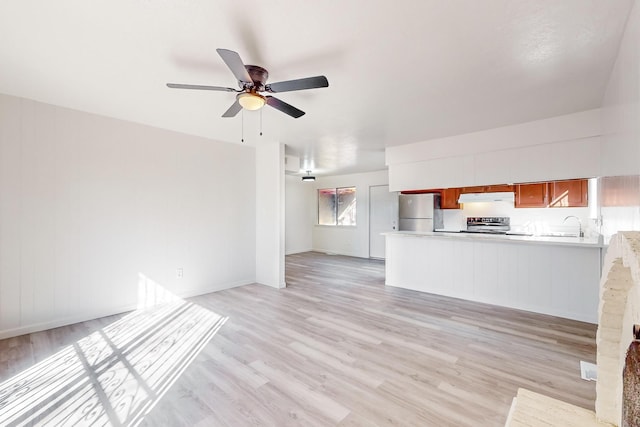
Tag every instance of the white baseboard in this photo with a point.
(83, 317)
(332, 252)
(297, 251)
(56, 323)
(222, 287)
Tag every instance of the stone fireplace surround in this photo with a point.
(619, 310)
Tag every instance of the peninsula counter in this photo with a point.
(550, 275)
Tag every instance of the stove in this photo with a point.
(490, 225)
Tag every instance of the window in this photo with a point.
(337, 206)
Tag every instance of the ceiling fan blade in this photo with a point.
(284, 107)
(299, 84)
(200, 87)
(235, 64)
(233, 110)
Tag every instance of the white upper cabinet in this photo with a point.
(494, 167)
(455, 171)
(563, 147)
(575, 159)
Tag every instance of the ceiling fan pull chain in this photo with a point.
(242, 139)
(261, 122)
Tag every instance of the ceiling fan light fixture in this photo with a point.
(308, 177)
(251, 101)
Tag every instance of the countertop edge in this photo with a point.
(584, 242)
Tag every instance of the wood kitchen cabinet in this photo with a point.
(554, 194)
(449, 198)
(487, 189)
(499, 188)
(532, 195)
(478, 189)
(571, 193)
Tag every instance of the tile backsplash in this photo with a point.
(533, 220)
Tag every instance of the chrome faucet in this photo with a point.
(579, 223)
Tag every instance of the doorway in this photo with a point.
(383, 218)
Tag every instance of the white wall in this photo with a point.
(621, 105)
(352, 241)
(300, 215)
(270, 214)
(621, 124)
(89, 203)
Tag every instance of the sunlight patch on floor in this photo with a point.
(115, 375)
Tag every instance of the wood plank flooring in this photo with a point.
(338, 348)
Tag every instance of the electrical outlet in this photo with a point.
(180, 273)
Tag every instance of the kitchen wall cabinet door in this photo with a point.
(570, 193)
(498, 188)
(532, 195)
(487, 189)
(449, 198)
(477, 189)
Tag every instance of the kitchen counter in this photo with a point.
(558, 276)
(595, 242)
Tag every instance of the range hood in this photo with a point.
(506, 196)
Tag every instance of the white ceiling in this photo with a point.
(399, 71)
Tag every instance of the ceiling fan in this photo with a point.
(252, 79)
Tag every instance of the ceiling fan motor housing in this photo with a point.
(259, 76)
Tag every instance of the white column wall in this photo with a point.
(621, 130)
(621, 105)
(270, 214)
(89, 204)
(299, 215)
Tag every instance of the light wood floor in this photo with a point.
(337, 347)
